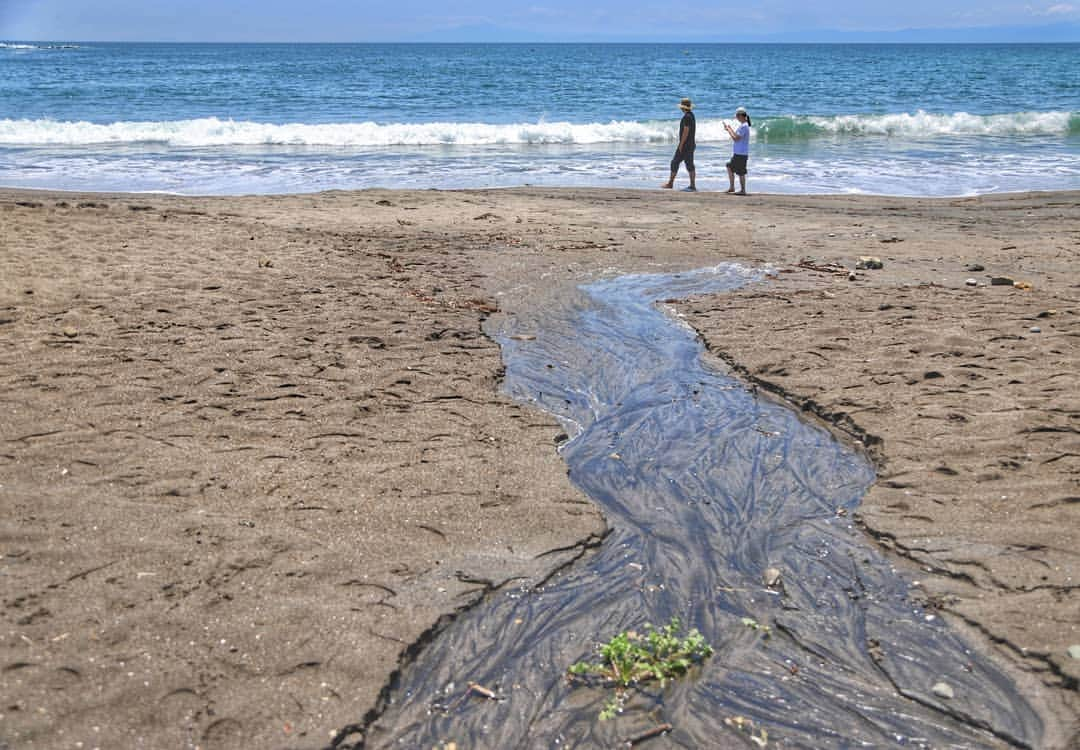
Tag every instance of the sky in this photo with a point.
(542, 20)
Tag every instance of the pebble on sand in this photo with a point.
(942, 690)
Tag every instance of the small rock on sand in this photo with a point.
(942, 690)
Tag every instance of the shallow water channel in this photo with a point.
(705, 486)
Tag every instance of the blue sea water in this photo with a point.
(931, 120)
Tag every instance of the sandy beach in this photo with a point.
(253, 449)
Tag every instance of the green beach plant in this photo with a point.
(631, 658)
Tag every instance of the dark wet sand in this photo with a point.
(252, 449)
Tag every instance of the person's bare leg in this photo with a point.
(693, 177)
(742, 185)
(671, 181)
(731, 180)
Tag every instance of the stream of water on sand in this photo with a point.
(704, 486)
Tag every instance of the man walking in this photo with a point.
(685, 150)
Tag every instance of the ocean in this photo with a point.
(888, 119)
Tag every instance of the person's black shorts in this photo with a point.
(683, 157)
(737, 163)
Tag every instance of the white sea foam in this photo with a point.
(962, 123)
(212, 132)
(24, 46)
(865, 165)
(923, 124)
(208, 132)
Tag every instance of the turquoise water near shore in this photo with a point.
(261, 118)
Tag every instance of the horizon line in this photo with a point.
(11, 40)
(1060, 32)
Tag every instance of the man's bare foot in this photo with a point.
(730, 190)
(741, 192)
(667, 186)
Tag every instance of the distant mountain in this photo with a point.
(1061, 32)
(474, 34)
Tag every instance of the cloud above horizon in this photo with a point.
(1061, 9)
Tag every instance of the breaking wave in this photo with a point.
(920, 124)
(212, 132)
(216, 132)
(17, 45)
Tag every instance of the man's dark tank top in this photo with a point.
(688, 122)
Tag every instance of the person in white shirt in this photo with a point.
(740, 151)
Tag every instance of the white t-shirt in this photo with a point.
(742, 146)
